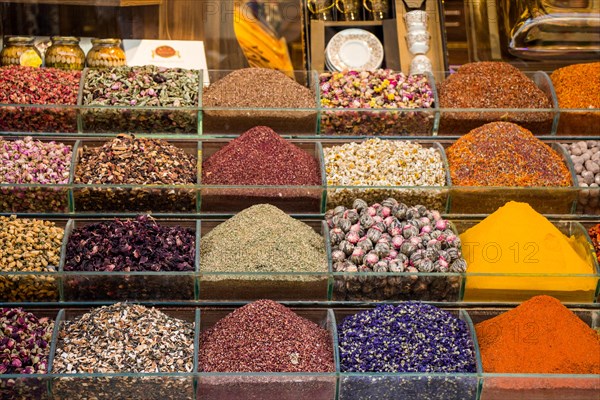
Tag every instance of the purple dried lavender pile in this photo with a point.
(265, 336)
(30, 161)
(130, 245)
(410, 337)
(24, 342)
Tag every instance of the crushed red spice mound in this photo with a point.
(505, 154)
(265, 336)
(594, 233)
(578, 86)
(491, 84)
(261, 157)
(540, 336)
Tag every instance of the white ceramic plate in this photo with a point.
(354, 49)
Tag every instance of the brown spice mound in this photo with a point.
(258, 87)
(130, 160)
(265, 336)
(539, 336)
(505, 154)
(578, 86)
(490, 85)
(261, 157)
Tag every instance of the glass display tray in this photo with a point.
(70, 287)
(210, 200)
(312, 122)
(321, 386)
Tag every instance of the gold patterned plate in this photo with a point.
(354, 49)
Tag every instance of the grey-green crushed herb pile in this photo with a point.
(147, 86)
(263, 238)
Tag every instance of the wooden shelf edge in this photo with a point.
(97, 3)
(353, 24)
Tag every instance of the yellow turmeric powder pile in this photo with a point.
(517, 240)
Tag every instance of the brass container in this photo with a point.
(65, 53)
(106, 53)
(20, 50)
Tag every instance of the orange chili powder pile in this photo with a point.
(539, 336)
(505, 154)
(578, 86)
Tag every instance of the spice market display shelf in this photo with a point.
(78, 287)
(222, 200)
(314, 123)
(322, 386)
(203, 297)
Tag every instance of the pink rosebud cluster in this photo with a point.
(31, 161)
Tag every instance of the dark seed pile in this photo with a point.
(505, 154)
(265, 336)
(131, 245)
(258, 87)
(261, 157)
(410, 337)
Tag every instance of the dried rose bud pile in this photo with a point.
(29, 245)
(24, 342)
(391, 237)
(27, 85)
(382, 88)
(31, 161)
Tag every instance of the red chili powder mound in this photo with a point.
(265, 336)
(539, 336)
(491, 84)
(261, 157)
